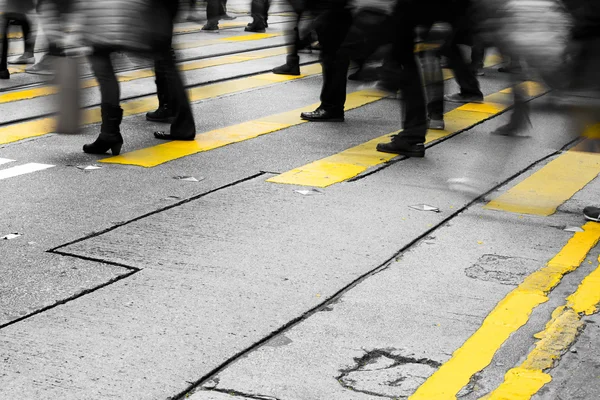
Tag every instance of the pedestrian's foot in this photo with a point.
(23, 60)
(44, 67)
(592, 213)
(287, 69)
(162, 114)
(257, 28)
(436, 124)
(509, 69)
(4, 74)
(402, 147)
(212, 28)
(228, 17)
(464, 98)
(167, 136)
(194, 17)
(321, 115)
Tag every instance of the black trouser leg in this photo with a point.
(258, 12)
(332, 32)
(107, 79)
(465, 77)
(4, 55)
(183, 125)
(213, 11)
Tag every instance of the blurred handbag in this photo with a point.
(126, 25)
(69, 96)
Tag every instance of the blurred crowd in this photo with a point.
(556, 42)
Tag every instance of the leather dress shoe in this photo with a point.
(322, 115)
(402, 147)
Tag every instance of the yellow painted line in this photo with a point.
(39, 127)
(156, 155)
(230, 39)
(147, 73)
(354, 161)
(545, 190)
(507, 317)
(524, 381)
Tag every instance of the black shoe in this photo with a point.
(167, 136)
(592, 213)
(254, 27)
(110, 134)
(402, 147)
(210, 28)
(4, 74)
(162, 114)
(464, 98)
(291, 67)
(321, 115)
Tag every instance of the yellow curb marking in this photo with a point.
(147, 73)
(39, 127)
(507, 317)
(522, 382)
(354, 161)
(156, 155)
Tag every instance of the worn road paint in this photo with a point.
(356, 160)
(156, 155)
(147, 73)
(507, 317)
(43, 126)
(22, 170)
(545, 190)
(524, 381)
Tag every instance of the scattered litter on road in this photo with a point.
(188, 178)
(574, 350)
(425, 207)
(308, 192)
(479, 242)
(11, 236)
(573, 229)
(172, 198)
(88, 167)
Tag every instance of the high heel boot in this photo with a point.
(110, 134)
(165, 112)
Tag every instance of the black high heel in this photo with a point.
(110, 135)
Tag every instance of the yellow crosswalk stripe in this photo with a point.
(507, 317)
(545, 190)
(229, 39)
(354, 161)
(43, 126)
(147, 73)
(156, 155)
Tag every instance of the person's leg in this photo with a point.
(292, 61)
(183, 126)
(164, 113)
(332, 32)
(257, 10)
(4, 74)
(464, 75)
(110, 134)
(213, 15)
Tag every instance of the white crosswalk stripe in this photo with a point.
(5, 161)
(22, 169)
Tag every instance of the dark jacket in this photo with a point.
(586, 16)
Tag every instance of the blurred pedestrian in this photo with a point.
(120, 27)
(259, 9)
(15, 13)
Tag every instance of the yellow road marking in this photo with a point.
(545, 190)
(560, 333)
(354, 161)
(230, 39)
(156, 155)
(146, 73)
(39, 127)
(506, 318)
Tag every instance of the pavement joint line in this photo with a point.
(508, 316)
(560, 333)
(354, 161)
(45, 124)
(159, 154)
(238, 393)
(76, 296)
(333, 299)
(157, 211)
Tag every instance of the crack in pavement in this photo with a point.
(238, 393)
